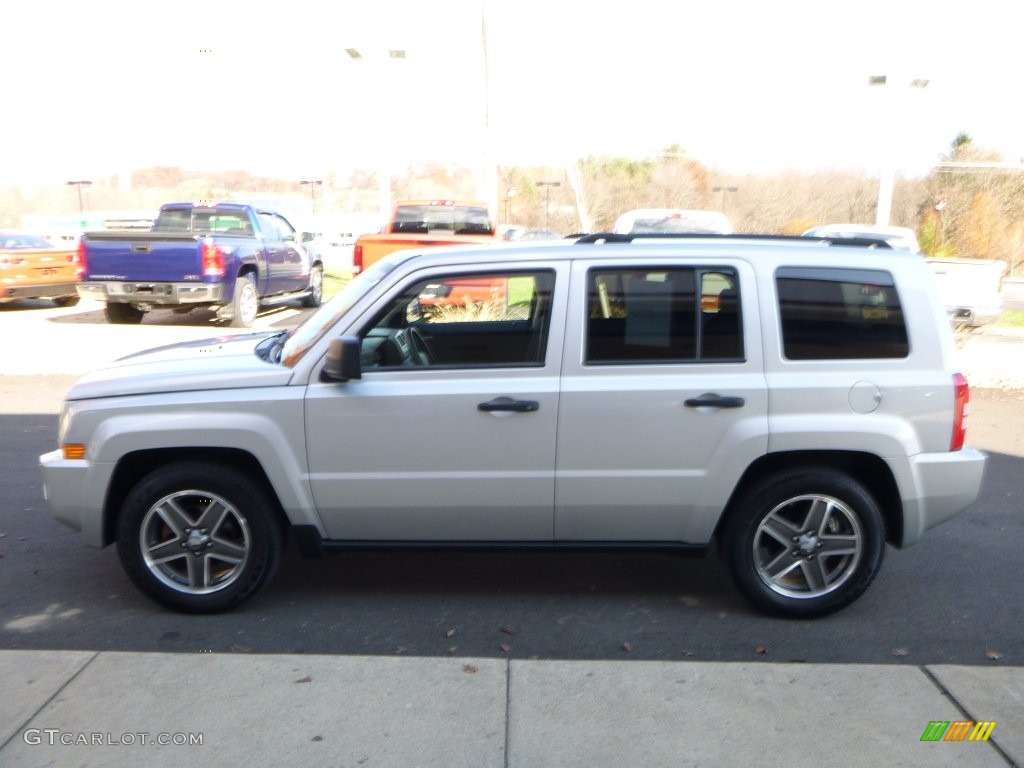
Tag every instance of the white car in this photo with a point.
(796, 402)
(672, 221)
(902, 238)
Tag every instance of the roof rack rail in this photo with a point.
(619, 237)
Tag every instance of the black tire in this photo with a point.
(246, 302)
(316, 287)
(122, 314)
(179, 562)
(66, 301)
(804, 543)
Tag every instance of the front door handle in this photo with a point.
(508, 404)
(711, 400)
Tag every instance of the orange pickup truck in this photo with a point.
(33, 268)
(425, 224)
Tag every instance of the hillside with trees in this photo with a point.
(971, 205)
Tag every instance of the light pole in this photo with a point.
(313, 184)
(79, 184)
(723, 190)
(509, 194)
(887, 171)
(547, 198)
(383, 171)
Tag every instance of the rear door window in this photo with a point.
(663, 315)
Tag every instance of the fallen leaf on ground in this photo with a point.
(761, 650)
(452, 648)
(627, 647)
(507, 629)
(900, 652)
(469, 669)
(506, 647)
(993, 655)
(450, 632)
(317, 738)
(306, 679)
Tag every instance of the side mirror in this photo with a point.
(343, 362)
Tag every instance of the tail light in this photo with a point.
(961, 397)
(213, 260)
(357, 259)
(81, 261)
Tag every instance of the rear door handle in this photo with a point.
(508, 404)
(711, 400)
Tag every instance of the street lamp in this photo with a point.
(723, 190)
(313, 184)
(383, 170)
(547, 198)
(80, 183)
(887, 171)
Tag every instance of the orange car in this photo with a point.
(33, 268)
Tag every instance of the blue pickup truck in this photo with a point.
(228, 256)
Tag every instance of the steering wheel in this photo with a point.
(418, 351)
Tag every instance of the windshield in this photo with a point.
(459, 219)
(316, 325)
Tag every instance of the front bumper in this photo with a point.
(75, 492)
(170, 294)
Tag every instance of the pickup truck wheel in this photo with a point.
(199, 538)
(805, 543)
(316, 288)
(66, 301)
(246, 302)
(122, 314)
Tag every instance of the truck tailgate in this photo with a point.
(144, 257)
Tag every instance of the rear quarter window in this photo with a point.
(840, 314)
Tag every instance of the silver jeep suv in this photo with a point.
(793, 399)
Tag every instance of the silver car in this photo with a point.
(793, 401)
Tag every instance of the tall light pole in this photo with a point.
(79, 184)
(313, 184)
(383, 171)
(547, 198)
(723, 190)
(887, 171)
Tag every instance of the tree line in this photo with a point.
(971, 205)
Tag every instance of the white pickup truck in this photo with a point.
(971, 289)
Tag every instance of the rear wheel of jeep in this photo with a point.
(804, 543)
(199, 538)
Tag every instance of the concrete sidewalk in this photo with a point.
(75, 708)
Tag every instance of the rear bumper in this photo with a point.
(45, 291)
(945, 484)
(170, 294)
(973, 316)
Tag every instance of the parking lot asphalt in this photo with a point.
(84, 708)
(112, 709)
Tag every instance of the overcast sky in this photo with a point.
(743, 86)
